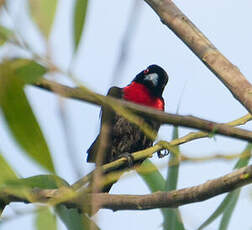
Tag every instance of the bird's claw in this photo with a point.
(129, 158)
(162, 153)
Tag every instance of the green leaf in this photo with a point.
(229, 210)
(45, 219)
(22, 187)
(173, 170)
(155, 182)
(40, 181)
(19, 115)
(226, 207)
(80, 11)
(235, 194)
(152, 177)
(174, 220)
(74, 220)
(172, 216)
(243, 161)
(220, 209)
(27, 70)
(5, 34)
(43, 13)
(7, 173)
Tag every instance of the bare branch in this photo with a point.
(172, 199)
(141, 155)
(164, 118)
(176, 198)
(197, 135)
(229, 74)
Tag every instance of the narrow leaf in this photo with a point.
(172, 216)
(45, 219)
(43, 13)
(155, 182)
(5, 34)
(220, 209)
(74, 220)
(27, 70)
(19, 115)
(151, 176)
(80, 11)
(40, 181)
(22, 187)
(173, 170)
(226, 207)
(7, 173)
(229, 210)
(246, 155)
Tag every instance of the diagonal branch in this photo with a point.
(143, 154)
(176, 198)
(228, 73)
(172, 199)
(163, 118)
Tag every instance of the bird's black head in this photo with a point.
(154, 78)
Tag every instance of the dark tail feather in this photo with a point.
(93, 150)
(107, 188)
(109, 179)
(92, 159)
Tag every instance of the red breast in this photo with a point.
(140, 94)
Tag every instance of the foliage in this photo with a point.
(24, 127)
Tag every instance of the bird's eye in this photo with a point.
(146, 71)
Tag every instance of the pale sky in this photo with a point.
(227, 25)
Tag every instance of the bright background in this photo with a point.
(227, 25)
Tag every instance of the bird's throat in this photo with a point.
(140, 94)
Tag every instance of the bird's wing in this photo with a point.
(107, 120)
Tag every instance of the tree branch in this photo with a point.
(229, 74)
(164, 118)
(172, 199)
(141, 155)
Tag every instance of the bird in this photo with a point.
(122, 138)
